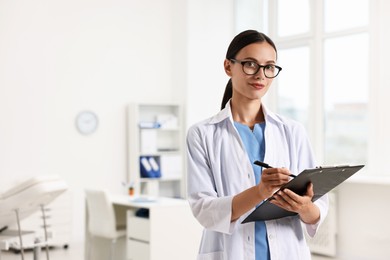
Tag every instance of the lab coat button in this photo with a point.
(270, 236)
(249, 238)
(249, 176)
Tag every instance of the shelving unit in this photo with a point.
(155, 136)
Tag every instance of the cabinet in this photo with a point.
(155, 149)
(169, 232)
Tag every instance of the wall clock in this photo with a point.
(86, 122)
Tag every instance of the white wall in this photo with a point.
(211, 28)
(58, 58)
(363, 221)
(379, 151)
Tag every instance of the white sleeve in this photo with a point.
(212, 212)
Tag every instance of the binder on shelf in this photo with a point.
(149, 125)
(150, 167)
(148, 141)
(171, 166)
(324, 179)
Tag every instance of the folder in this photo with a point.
(149, 167)
(324, 179)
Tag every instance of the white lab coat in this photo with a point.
(219, 168)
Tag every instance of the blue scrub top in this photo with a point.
(255, 147)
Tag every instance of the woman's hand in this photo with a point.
(272, 179)
(303, 205)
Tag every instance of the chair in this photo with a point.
(101, 219)
(26, 198)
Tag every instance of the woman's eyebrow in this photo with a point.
(267, 62)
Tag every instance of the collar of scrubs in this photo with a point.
(226, 113)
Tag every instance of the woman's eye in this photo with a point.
(251, 64)
(270, 67)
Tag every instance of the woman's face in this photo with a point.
(251, 87)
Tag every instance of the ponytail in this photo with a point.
(228, 94)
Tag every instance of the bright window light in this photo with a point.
(294, 79)
(345, 14)
(346, 98)
(293, 17)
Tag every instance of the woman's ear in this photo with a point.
(228, 69)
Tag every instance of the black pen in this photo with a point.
(262, 164)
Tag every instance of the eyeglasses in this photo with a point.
(250, 67)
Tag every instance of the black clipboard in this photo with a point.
(324, 179)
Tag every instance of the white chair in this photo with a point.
(26, 198)
(102, 219)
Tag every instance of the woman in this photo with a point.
(224, 185)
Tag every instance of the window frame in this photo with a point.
(314, 39)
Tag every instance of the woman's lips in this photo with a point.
(257, 85)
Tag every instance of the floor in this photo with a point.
(75, 252)
(318, 257)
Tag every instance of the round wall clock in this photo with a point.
(86, 122)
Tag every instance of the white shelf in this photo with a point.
(179, 178)
(163, 152)
(163, 140)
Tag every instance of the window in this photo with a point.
(346, 98)
(325, 77)
(298, 24)
(345, 14)
(293, 90)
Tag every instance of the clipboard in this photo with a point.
(324, 179)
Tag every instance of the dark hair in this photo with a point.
(240, 41)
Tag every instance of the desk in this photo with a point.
(171, 231)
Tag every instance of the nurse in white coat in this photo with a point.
(224, 185)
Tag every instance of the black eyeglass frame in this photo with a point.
(242, 62)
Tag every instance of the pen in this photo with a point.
(262, 164)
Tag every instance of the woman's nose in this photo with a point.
(260, 74)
